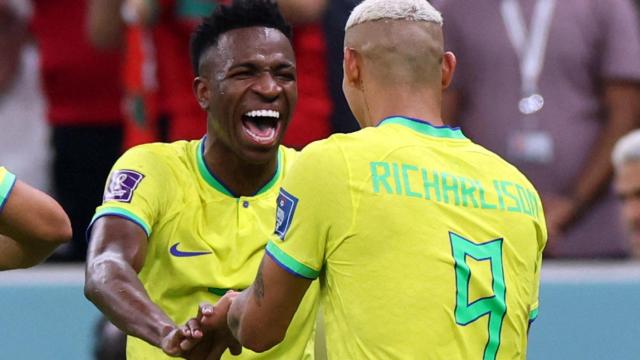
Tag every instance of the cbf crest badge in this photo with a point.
(121, 186)
(284, 214)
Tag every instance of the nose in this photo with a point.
(267, 87)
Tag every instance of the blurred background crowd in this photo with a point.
(83, 80)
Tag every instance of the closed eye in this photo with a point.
(245, 74)
(286, 76)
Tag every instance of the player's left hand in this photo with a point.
(179, 341)
(211, 322)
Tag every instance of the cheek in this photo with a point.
(631, 212)
(292, 94)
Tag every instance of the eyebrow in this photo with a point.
(285, 65)
(251, 65)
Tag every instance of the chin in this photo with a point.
(262, 155)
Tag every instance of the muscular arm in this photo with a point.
(622, 101)
(32, 225)
(259, 316)
(303, 11)
(105, 25)
(116, 255)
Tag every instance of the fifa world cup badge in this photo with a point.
(287, 204)
(122, 185)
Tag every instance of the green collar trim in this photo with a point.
(425, 128)
(215, 183)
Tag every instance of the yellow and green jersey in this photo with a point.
(427, 245)
(7, 182)
(202, 240)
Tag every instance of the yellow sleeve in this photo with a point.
(7, 181)
(137, 188)
(314, 210)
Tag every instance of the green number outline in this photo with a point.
(495, 306)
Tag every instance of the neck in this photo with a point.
(237, 175)
(384, 102)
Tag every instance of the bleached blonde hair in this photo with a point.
(627, 149)
(412, 10)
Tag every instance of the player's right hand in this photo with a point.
(211, 322)
(179, 341)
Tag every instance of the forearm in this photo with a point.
(623, 113)
(260, 316)
(34, 220)
(596, 174)
(113, 286)
(234, 317)
(251, 325)
(15, 255)
(105, 23)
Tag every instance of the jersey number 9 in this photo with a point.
(494, 306)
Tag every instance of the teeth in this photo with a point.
(263, 113)
(269, 137)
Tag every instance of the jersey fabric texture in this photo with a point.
(7, 182)
(202, 240)
(427, 245)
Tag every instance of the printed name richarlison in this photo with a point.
(417, 182)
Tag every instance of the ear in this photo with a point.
(352, 72)
(448, 68)
(202, 92)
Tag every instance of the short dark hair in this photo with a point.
(240, 14)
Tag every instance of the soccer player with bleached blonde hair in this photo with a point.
(427, 245)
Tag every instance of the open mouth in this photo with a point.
(261, 126)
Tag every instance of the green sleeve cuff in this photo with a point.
(290, 264)
(7, 184)
(533, 315)
(122, 213)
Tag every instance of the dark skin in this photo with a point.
(249, 69)
(259, 316)
(258, 75)
(32, 225)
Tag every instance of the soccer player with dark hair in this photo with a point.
(32, 224)
(183, 223)
(427, 245)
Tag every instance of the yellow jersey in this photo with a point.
(202, 240)
(427, 245)
(7, 181)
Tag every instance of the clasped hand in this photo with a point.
(205, 336)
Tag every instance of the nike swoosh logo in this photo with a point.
(175, 252)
